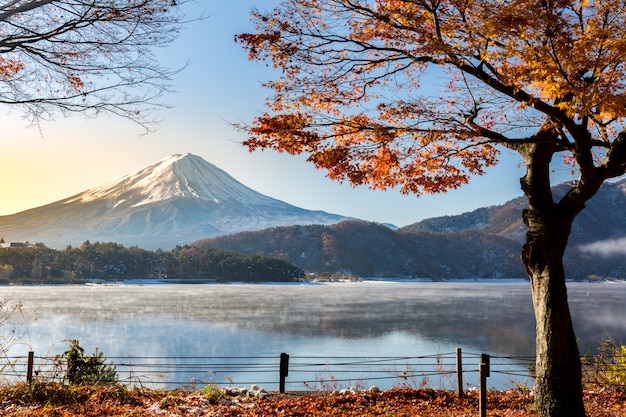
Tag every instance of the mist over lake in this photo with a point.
(370, 318)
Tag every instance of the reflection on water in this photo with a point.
(369, 318)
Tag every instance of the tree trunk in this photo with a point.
(558, 389)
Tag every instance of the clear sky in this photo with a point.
(219, 86)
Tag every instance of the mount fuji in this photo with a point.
(178, 200)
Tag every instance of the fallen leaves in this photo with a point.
(102, 401)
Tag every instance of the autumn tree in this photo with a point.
(424, 94)
(86, 56)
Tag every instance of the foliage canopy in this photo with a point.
(419, 94)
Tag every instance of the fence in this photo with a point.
(320, 373)
(453, 370)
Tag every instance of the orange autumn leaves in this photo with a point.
(420, 94)
(364, 151)
(9, 68)
(399, 402)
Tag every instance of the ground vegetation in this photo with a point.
(81, 401)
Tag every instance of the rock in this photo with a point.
(254, 391)
(349, 391)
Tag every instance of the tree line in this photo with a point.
(112, 262)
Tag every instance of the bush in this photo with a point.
(87, 370)
(9, 334)
(609, 365)
(213, 393)
(613, 361)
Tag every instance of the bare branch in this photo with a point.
(86, 56)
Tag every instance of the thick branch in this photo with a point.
(9, 10)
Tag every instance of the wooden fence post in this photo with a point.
(284, 371)
(29, 367)
(459, 372)
(484, 372)
(484, 358)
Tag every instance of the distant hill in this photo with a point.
(484, 243)
(597, 244)
(603, 219)
(503, 220)
(373, 250)
(179, 199)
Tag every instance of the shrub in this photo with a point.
(609, 365)
(87, 370)
(613, 361)
(213, 393)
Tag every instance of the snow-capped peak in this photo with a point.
(181, 198)
(176, 176)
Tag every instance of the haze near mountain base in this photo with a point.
(177, 200)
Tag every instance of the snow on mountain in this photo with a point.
(177, 176)
(180, 199)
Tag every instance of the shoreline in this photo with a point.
(312, 282)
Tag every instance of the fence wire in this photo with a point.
(304, 372)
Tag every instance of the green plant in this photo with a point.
(87, 370)
(523, 388)
(611, 362)
(213, 393)
(606, 367)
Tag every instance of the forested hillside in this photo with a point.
(114, 262)
(374, 250)
(603, 219)
(484, 243)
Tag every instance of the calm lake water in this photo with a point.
(387, 319)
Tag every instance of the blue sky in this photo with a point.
(219, 86)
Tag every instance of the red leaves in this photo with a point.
(397, 402)
(418, 94)
(294, 133)
(9, 68)
(255, 41)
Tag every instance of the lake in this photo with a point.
(341, 320)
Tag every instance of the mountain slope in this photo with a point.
(597, 244)
(176, 200)
(484, 243)
(602, 219)
(374, 250)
